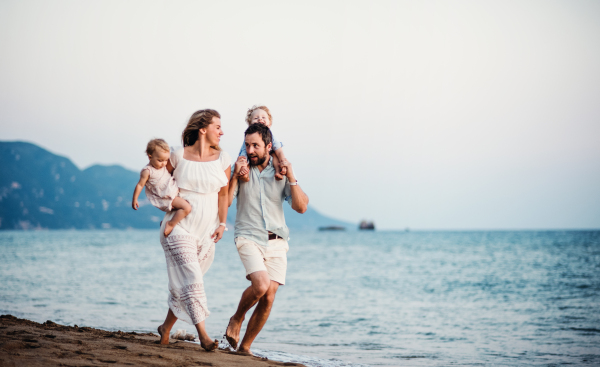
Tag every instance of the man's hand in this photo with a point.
(286, 167)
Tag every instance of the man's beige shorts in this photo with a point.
(272, 259)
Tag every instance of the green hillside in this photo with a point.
(41, 190)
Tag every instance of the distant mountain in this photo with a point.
(41, 190)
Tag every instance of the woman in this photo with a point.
(201, 171)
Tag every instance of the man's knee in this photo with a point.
(260, 283)
(269, 296)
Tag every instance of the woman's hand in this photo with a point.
(241, 167)
(218, 234)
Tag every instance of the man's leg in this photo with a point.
(260, 285)
(259, 317)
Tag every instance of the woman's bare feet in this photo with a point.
(164, 334)
(168, 228)
(232, 334)
(210, 346)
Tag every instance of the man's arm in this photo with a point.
(299, 198)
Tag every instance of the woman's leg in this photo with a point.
(205, 341)
(165, 329)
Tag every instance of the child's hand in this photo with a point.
(134, 204)
(240, 164)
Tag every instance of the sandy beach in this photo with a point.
(28, 343)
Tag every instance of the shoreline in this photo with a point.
(25, 342)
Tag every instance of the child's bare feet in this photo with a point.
(278, 176)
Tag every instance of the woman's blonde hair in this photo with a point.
(199, 120)
(156, 143)
(254, 108)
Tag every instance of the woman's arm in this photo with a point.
(144, 175)
(223, 207)
(233, 182)
(170, 167)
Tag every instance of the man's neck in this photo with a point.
(264, 164)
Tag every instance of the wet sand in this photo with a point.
(28, 343)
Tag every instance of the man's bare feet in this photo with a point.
(211, 346)
(232, 334)
(168, 228)
(245, 352)
(164, 335)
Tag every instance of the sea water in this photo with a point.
(351, 298)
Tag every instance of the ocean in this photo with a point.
(372, 298)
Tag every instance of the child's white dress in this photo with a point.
(161, 188)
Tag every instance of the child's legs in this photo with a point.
(182, 207)
(277, 167)
(180, 203)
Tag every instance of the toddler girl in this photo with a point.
(262, 115)
(161, 189)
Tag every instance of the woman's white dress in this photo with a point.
(189, 249)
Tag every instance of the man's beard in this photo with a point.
(259, 161)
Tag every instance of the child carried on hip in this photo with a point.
(161, 189)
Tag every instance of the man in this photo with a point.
(260, 231)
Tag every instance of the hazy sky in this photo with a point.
(420, 114)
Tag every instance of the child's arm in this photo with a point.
(170, 167)
(144, 175)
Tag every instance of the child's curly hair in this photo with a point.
(156, 143)
(254, 108)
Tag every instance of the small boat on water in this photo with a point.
(332, 228)
(366, 225)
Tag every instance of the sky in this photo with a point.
(413, 114)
